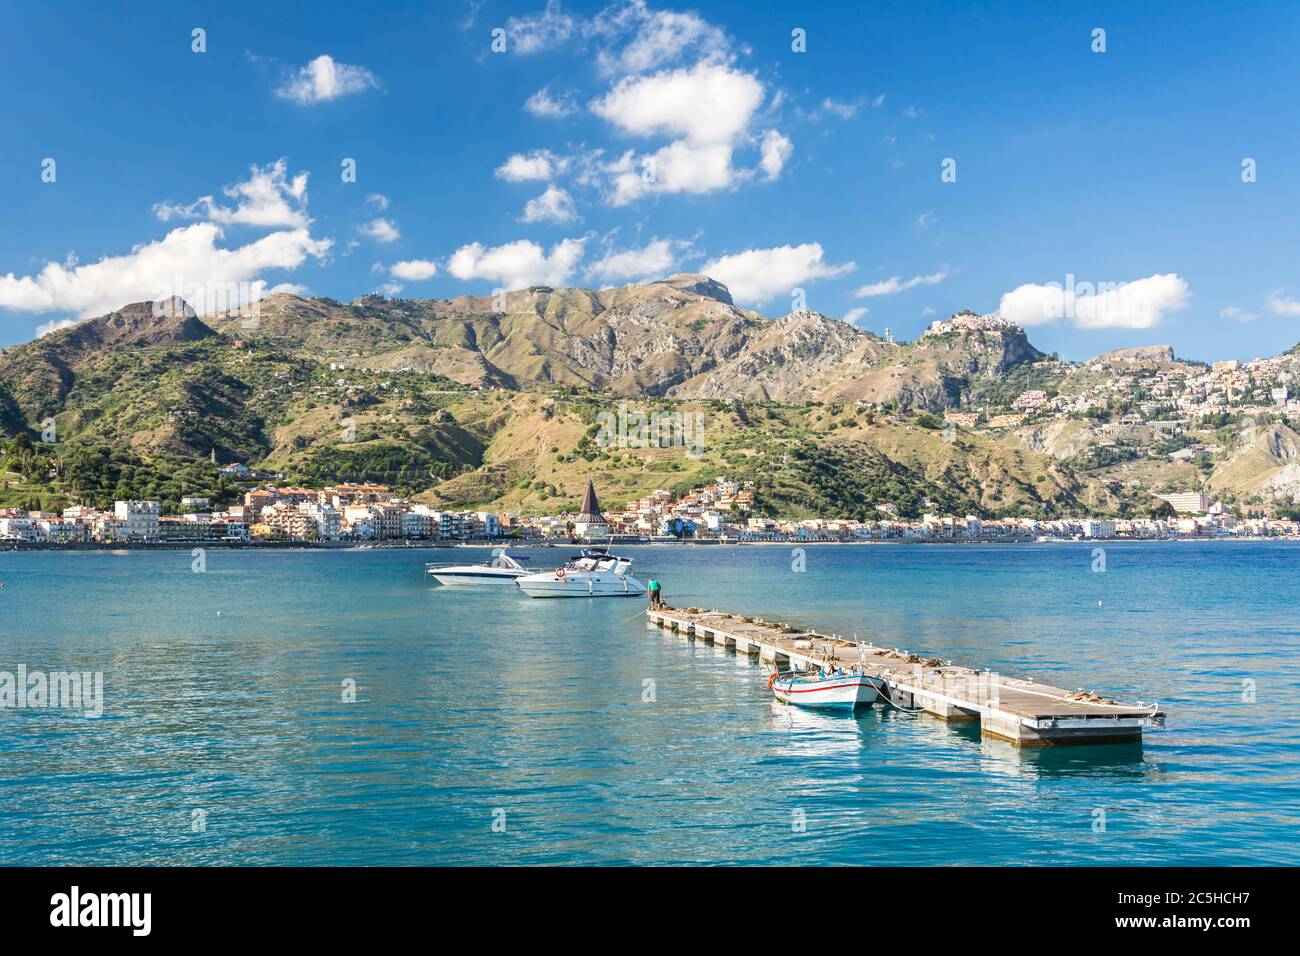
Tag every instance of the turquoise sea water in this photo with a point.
(223, 694)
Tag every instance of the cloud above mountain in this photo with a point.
(269, 198)
(672, 81)
(519, 264)
(896, 284)
(1140, 304)
(189, 261)
(704, 109)
(554, 205)
(756, 275)
(656, 258)
(413, 270)
(1280, 304)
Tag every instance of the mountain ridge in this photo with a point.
(483, 399)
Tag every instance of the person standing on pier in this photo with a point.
(654, 592)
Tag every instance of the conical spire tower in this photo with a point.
(590, 513)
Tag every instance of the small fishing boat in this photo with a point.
(830, 689)
(593, 573)
(501, 569)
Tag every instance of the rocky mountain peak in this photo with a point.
(700, 285)
(1147, 355)
(140, 323)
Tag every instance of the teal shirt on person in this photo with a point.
(654, 585)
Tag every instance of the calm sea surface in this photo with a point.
(223, 694)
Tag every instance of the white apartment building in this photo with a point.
(417, 525)
(433, 524)
(61, 529)
(387, 520)
(328, 521)
(137, 519)
(18, 529)
(1187, 502)
(359, 521)
(1095, 528)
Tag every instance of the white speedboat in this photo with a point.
(501, 569)
(594, 573)
(828, 689)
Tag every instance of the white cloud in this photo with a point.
(708, 103)
(654, 38)
(45, 328)
(706, 110)
(755, 275)
(544, 105)
(656, 258)
(541, 31)
(325, 79)
(390, 289)
(896, 284)
(842, 110)
(380, 230)
(853, 315)
(378, 200)
(777, 149)
(629, 36)
(679, 167)
(268, 199)
(518, 264)
(554, 205)
(847, 110)
(185, 262)
(537, 166)
(414, 270)
(1140, 304)
(472, 9)
(1241, 315)
(1279, 304)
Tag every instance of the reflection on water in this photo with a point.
(1118, 759)
(604, 741)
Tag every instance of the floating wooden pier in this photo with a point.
(1021, 710)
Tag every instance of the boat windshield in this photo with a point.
(592, 563)
(598, 559)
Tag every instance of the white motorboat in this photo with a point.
(831, 689)
(593, 573)
(501, 569)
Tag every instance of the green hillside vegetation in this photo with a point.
(52, 476)
(455, 404)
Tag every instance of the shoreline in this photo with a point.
(92, 547)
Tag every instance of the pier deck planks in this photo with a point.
(1021, 710)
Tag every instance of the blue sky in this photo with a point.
(666, 138)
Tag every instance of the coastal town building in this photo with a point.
(1187, 502)
(722, 510)
(137, 519)
(590, 523)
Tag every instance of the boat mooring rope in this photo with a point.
(884, 692)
